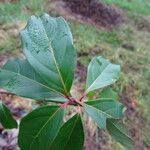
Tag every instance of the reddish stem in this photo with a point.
(65, 104)
(67, 97)
(73, 101)
(81, 99)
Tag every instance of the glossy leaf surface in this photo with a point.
(48, 46)
(6, 118)
(18, 77)
(70, 136)
(101, 73)
(39, 128)
(118, 131)
(102, 109)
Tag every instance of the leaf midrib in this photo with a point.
(57, 66)
(97, 78)
(33, 81)
(121, 131)
(1, 105)
(100, 111)
(49, 119)
(116, 108)
(72, 129)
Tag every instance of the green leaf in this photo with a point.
(109, 93)
(18, 77)
(6, 118)
(102, 109)
(120, 133)
(70, 136)
(48, 45)
(39, 128)
(101, 73)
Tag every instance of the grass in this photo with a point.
(8, 46)
(14, 15)
(21, 10)
(88, 39)
(94, 37)
(138, 6)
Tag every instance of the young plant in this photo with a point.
(46, 75)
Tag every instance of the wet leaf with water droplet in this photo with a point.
(48, 45)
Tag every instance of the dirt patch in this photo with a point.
(81, 72)
(95, 139)
(135, 119)
(94, 12)
(143, 23)
(9, 1)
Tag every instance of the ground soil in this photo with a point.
(95, 12)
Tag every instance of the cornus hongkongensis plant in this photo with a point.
(46, 75)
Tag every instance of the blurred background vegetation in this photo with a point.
(127, 44)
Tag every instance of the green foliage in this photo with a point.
(18, 10)
(47, 74)
(102, 109)
(110, 37)
(71, 135)
(6, 118)
(40, 41)
(139, 6)
(119, 132)
(101, 73)
(8, 45)
(39, 128)
(109, 93)
(17, 75)
(94, 37)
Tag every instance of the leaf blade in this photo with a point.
(45, 51)
(117, 131)
(109, 93)
(39, 128)
(6, 118)
(102, 109)
(18, 77)
(101, 73)
(70, 136)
